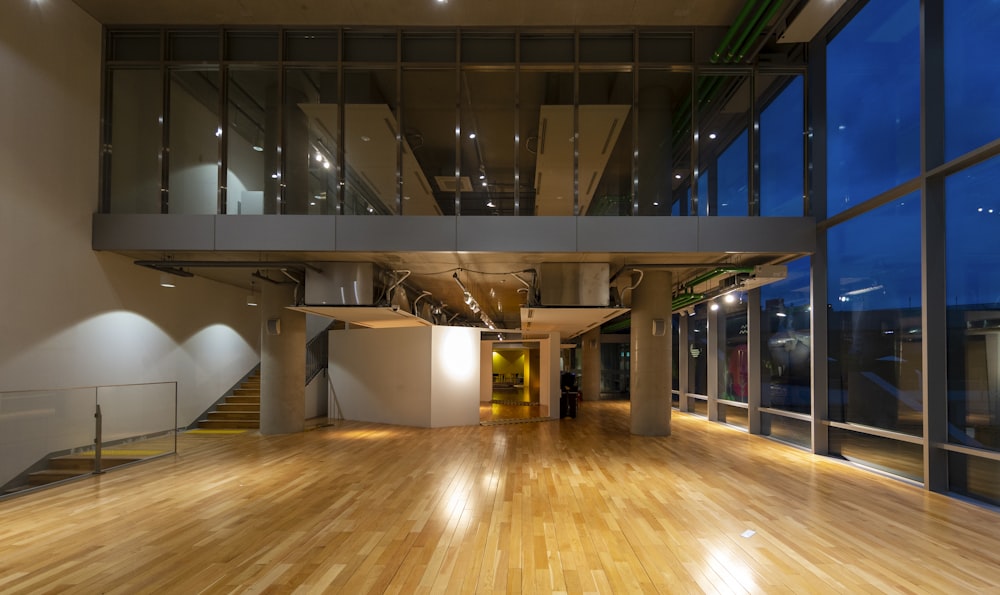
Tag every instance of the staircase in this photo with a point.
(240, 410)
(68, 466)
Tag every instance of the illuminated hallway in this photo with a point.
(572, 506)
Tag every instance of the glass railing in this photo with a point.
(47, 436)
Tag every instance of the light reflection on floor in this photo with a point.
(497, 411)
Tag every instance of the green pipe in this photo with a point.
(751, 25)
(686, 300)
(760, 27)
(617, 326)
(715, 273)
(733, 29)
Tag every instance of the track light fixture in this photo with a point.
(473, 304)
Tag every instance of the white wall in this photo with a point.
(426, 376)
(455, 376)
(70, 316)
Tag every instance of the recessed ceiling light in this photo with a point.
(472, 135)
(713, 136)
(366, 138)
(678, 176)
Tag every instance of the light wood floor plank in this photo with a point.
(574, 506)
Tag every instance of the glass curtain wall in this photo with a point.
(973, 296)
(369, 122)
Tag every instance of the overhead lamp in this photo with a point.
(678, 176)
(730, 298)
(713, 136)
(258, 143)
(472, 135)
(713, 307)
(490, 203)
(167, 280)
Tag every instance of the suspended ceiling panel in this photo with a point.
(568, 322)
(368, 317)
(600, 127)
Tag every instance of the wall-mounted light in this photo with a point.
(252, 297)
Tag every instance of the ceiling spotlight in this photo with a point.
(167, 280)
(258, 143)
(713, 136)
(678, 176)
(730, 298)
(490, 204)
(252, 298)
(319, 156)
(472, 135)
(713, 307)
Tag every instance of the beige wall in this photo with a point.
(70, 316)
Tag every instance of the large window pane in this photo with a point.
(136, 136)
(874, 318)
(254, 179)
(605, 144)
(312, 124)
(892, 456)
(786, 429)
(971, 92)
(488, 149)
(697, 356)
(195, 135)
(547, 136)
(370, 145)
(733, 373)
(974, 477)
(781, 155)
(664, 104)
(873, 103)
(787, 344)
(723, 120)
(973, 290)
(429, 130)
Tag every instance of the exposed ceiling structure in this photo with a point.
(417, 13)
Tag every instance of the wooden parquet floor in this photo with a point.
(572, 506)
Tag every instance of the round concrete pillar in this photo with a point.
(282, 362)
(650, 366)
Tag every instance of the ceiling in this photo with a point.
(418, 13)
(491, 278)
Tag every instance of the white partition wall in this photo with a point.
(426, 376)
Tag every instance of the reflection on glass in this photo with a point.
(970, 92)
(734, 416)
(875, 368)
(615, 365)
(605, 143)
(723, 121)
(255, 176)
(547, 143)
(195, 134)
(429, 131)
(873, 146)
(973, 294)
(733, 381)
(664, 142)
(697, 356)
(786, 429)
(699, 407)
(781, 155)
(488, 180)
(312, 124)
(786, 341)
(974, 477)
(675, 352)
(136, 136)
(891, 456)
(370, 142)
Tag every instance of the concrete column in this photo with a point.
(651, 372)
(590, 383)
(282, 363)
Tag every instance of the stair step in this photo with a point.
(243, 399)
(238, 407)
(234, 415)
(228, 424)
(45, 476)
(85, 462)
(246, 392)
